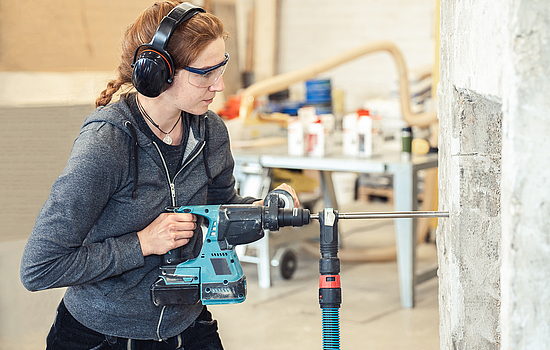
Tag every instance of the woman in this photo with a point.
(103, 230)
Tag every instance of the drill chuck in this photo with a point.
(278, 212)
(295, 217)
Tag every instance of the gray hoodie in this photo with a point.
(115, 184)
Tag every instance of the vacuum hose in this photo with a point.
(330, 292)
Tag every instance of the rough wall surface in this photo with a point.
(526, 179)
(469, 242)
(470, 113)
(494, 250)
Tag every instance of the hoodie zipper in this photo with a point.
(172, 185)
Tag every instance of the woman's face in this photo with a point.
(192, 99)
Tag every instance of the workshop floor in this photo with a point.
(287, 315)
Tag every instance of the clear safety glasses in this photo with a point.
(207, 77)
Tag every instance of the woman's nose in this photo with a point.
(218, 86)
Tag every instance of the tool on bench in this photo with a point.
(216, 275)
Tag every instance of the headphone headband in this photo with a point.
(169, 23)
(153, 69)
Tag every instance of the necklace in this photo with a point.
(167, 139)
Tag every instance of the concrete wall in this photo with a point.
(470, 116)
(526, 179)
(468, 243)
(494, 125)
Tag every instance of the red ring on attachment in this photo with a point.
(329, 281)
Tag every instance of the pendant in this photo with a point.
(167, 139)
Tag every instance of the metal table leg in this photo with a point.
(327, 187)
(405, 199)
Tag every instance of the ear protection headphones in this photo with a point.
(153, 69)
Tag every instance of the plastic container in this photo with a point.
(329, 123)
(350, 137)
(406, 140)
(377, 135)
(295, 137)
(364, 129)
(316, 139)
(307, 115)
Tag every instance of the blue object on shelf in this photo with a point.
(319, 95)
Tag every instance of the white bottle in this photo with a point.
(329, 123)
(295, 137)
(377, 135)
(364, 129)
(307, 115)
(350, 137)
(316, 139)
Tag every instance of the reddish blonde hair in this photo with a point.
(186, 43)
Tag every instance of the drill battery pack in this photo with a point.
(184, 288)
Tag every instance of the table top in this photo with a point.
(277, 157)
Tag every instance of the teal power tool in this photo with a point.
(215, 276)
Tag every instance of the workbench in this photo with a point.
(254, 163)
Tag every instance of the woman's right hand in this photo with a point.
(168, 231)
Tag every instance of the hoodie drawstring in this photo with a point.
(135, 156)
(205, 151)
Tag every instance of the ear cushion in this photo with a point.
(151, 73)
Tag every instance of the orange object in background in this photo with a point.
(230, 109)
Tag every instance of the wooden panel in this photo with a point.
(64, 35)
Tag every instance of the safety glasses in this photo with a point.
(207, 77)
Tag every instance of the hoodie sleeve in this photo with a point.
(59, 252)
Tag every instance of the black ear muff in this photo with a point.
(153, 68)
(152, 73)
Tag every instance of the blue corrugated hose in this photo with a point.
(331, 328)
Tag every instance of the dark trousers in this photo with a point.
(69, 334)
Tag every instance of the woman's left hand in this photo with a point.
(289, 190)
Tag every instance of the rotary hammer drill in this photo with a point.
(216, 276)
